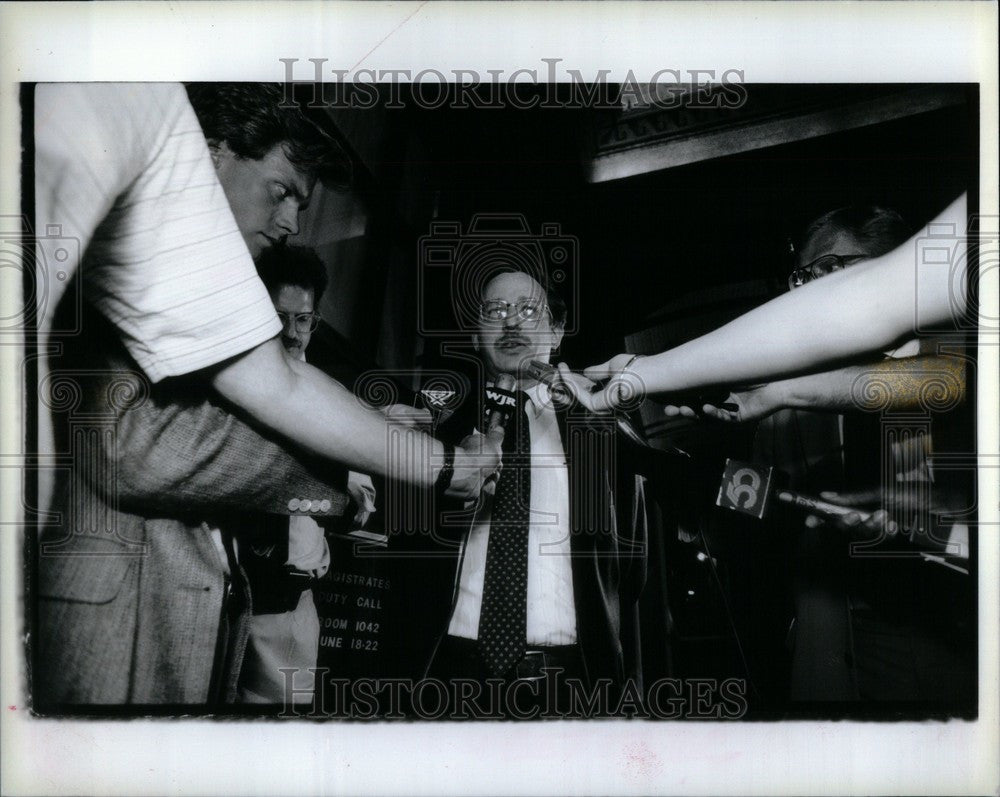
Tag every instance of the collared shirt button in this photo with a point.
(293, 505)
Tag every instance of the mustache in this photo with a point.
(512, 337)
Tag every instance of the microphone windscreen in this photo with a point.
(506, 382)
(500, 401)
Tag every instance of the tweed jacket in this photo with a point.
(128, 582)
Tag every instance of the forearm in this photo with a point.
(903, 384)
(866, 308)
(311, 410)
(765, 343)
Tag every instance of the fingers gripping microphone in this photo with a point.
(500, 403)
(750, 489)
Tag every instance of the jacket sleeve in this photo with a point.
(174, 451)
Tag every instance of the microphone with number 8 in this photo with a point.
(749, 489)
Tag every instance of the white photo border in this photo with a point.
(771, 42)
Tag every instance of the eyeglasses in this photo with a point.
(497, 310)
(820, 267)
(304, 322)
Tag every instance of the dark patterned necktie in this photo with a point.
(503, 618)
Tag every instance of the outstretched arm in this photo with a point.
(301, 404)
(866, 308)
(179, 451)
(933, 382)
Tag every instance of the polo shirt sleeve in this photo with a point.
(124, 169)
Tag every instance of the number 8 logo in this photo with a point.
(745, 483)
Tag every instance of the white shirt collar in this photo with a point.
(540, 396)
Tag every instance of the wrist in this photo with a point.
(447, 471)
(633, 367)
(786, 394)
(628, 387)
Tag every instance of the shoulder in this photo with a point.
(123, 122)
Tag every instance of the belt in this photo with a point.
(535, 660)
(529, 667)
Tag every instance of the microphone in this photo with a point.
(500, 403)
(749, 489)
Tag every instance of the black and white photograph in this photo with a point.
(556, 407)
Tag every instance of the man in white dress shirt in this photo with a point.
(554, 559)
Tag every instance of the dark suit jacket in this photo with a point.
(608, 527)
(129, 584)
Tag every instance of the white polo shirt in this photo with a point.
(124, 183)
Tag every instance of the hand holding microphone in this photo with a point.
(501, 401)
(479, 456)
(750, 489)
(622, 386)
(622, 391)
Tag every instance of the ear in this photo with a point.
(476, 343)
(557, 336)
(220, 152)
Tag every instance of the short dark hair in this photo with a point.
(877, 229)
(557, 305)
(292, 265)
(252, 117)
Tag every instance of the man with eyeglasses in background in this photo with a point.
(285, 558)
(879, 627)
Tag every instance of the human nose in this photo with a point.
(290, 331)
(287, 219)
(513, 319)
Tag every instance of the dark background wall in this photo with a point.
(648, 244)
(662, 255)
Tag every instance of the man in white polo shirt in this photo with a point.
(129, 612)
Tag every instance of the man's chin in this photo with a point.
(258, 243)
(515, 364)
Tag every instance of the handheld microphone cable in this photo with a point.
(728, 610)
